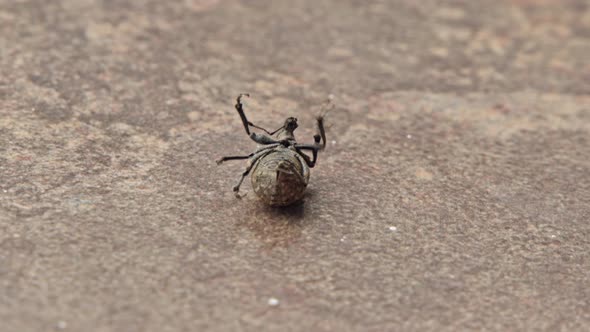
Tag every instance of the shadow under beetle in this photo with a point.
(279, 167)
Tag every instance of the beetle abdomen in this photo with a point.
(279, 178)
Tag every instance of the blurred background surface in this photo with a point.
(454, 193)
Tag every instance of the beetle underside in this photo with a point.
(280, 178)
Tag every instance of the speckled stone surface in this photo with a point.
(454, 193)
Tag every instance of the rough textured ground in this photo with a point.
(454, 193)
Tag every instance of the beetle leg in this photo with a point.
(253, 162)
(320, 137)
(319, 142)
(314, 151)
(262, 139)
(265, 140)
(222, 159)
(305, 158)
(247, 124)
(240, 110)
(237, 186)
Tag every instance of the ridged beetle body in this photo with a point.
(280, 170)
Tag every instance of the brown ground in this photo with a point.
(464, 124)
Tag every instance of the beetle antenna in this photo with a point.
(276, 131)
(255, 126)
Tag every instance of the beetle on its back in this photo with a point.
(279, 167)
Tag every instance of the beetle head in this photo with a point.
(290, 124)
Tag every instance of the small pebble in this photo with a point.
(393, 228)
(333, 142)
(342, 239)
(273, 302)
(553, 236)
(409, 136)
(62, 325)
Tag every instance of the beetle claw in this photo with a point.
(239, 99)
(238, 196)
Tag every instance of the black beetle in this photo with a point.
(279, 168)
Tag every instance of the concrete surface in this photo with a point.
(454, 193)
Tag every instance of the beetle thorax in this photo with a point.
(285, 134)
(288, 129)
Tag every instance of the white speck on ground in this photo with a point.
(273, 302)
(333, 142)
(342, 239)
(62, 325)
(553, 236)
(393, 228)
(409, 136)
